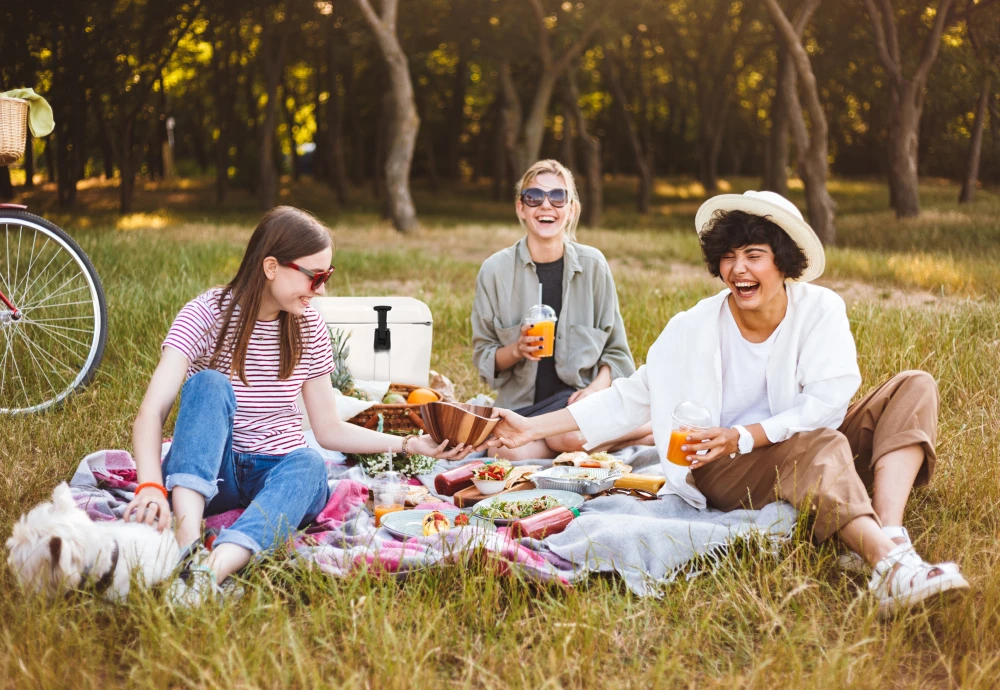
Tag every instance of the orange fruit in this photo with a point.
(422, 395)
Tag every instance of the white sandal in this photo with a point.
(852, 562)
(910, 583)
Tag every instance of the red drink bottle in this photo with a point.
(543, 524)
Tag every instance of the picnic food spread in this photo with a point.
(452, 481)
(507, 510)
(436, 522)
(494, 471)
(541, 525)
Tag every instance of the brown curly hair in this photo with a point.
(729, 230)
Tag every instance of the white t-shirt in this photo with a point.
(744, 373)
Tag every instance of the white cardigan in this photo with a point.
(812, 373)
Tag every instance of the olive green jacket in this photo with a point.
(590, 330)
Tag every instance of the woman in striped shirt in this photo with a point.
(240, 355)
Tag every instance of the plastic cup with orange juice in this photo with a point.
(389, 494)
(688, 419)
(542, 321)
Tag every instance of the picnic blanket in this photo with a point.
(649, 544)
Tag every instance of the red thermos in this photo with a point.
(543, 524)
(450, 482)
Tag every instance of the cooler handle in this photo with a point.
(383, 340)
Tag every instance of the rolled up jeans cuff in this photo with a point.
(231, 536)
(206, 488)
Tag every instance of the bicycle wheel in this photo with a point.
(53, 322)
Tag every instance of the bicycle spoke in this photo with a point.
(42, 272)
(57, 294)
(61, 328)
(64, 318)
(64, 338)
(31, 260)
(38, 365)
(54, 276)
(49, 355)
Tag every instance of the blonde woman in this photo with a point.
(590, 349)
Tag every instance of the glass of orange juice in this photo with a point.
(389, 494)
(542, 320)
(688, 419)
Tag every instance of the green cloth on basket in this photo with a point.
(40, 118)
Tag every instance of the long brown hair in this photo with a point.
(286, 233)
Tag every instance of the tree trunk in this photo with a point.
(290, 121)
(510, 119)
(357, 137)
(430, 159)
(6, 187)
(976, 143)
(567, 151)
(29, 163)
(904, 140)
(337, 173)
(529, 145)
(224, 85)
(381, 144)
(404, 123)
(500, 153)
(906, 99)
(635, 145)
(776, 160)
(456, 117)
(66, 187)
(274, 43)
(126, 157)
(593, 196)
(50, 160)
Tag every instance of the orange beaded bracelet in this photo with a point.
(154, 485)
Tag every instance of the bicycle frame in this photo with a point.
(13, 313)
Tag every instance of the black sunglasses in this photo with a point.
(319, 278)
(533, 196)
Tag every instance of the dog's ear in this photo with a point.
(62, 497)
(55, 549)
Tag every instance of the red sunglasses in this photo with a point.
(319, 278)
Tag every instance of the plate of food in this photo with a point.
(426, 523)
(505, 508)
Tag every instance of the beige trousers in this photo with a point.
(828, 472)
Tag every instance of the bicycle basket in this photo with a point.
(13, 129)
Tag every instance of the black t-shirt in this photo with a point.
(550, 275)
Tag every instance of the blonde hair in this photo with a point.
(554, 167)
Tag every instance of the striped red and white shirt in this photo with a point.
(267, 419)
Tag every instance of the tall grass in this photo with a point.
(760, 620)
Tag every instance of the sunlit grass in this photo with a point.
(760, 621)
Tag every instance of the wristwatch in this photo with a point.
(745, 444)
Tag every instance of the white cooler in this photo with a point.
(390, 337)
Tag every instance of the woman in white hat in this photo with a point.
(773, 360)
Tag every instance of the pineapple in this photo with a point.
(341, 376)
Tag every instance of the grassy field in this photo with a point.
(921, 294)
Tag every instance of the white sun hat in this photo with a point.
(779, 211)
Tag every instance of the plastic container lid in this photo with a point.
(692, 413)
(387, 480)
(541, 312)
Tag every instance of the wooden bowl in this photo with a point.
(458, 422)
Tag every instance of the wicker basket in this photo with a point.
(398, 418)
(13, 129)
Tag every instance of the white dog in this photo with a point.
(56, 547)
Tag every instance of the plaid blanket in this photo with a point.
(648, 544)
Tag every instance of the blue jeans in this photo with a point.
(279, 492)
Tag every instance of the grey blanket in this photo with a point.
(649, 543)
